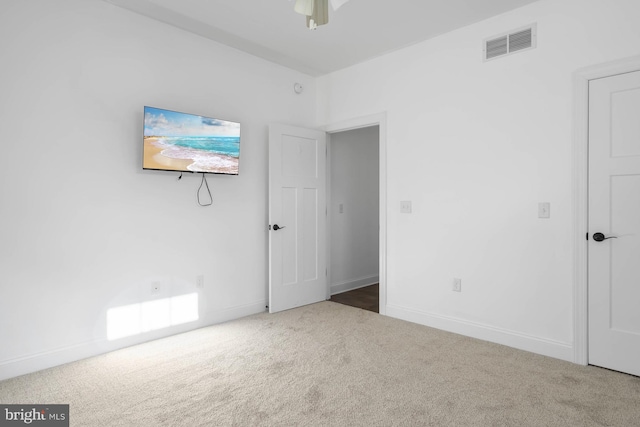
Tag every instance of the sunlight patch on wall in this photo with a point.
(152, 315)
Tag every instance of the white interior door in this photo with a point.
(614, 211)
(297, 217)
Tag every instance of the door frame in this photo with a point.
(581, 80)
(379, 120)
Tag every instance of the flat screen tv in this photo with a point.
(184, 142)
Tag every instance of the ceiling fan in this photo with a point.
(317, 11)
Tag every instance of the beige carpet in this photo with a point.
(329, 365)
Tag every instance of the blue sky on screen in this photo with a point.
(158, 122)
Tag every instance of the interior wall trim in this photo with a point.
(533, 344)
(352, 284)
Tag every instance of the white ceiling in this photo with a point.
(359, 30)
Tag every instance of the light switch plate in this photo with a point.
(544, 210)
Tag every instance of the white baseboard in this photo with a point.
(543, 346)
(59, 356)
(350, 285)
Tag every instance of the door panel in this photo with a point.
(625, 269)
(289, 255)
(310, 233)
(297, 198)
(614, 210)
(625, 123)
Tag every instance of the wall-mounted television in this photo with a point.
(184, 142)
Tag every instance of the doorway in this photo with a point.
(353, 216)
(584, 248)
(298, 147)
(614, 222)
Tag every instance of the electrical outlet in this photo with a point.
(156, 287)
(200, 281)
(405, 206)
(457, 285)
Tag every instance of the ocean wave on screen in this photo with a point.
(203, 161)
(228, 146)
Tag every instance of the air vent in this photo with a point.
(497, 47)
(511, 42)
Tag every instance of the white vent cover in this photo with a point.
(511, 42)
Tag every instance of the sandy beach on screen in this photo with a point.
(154, 160)
(216, 163)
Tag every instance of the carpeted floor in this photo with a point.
(328, 364)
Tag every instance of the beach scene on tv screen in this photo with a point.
(187, 142)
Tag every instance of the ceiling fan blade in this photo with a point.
(336, 4)
(320, 15)
(321, 12)
(304, 7)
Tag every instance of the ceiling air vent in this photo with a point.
(511, 42)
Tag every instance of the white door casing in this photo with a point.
(380, 120)
(614, 211)
(297, 205)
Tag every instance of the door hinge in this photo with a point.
(587, 236)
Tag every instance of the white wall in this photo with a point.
(354, 175)
(475, 146)
(82, 227)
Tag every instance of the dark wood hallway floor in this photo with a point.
(365, 298)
